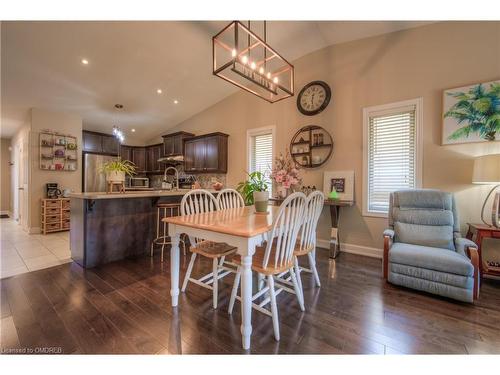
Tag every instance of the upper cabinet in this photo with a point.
(100, 143)
(173, 144)
(206, 153)
(139, 158)
(153, 153)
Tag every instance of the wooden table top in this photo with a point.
(483, 227)
(242, 222)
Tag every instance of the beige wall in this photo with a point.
(5, 175)
(64, 123)
(409, 64)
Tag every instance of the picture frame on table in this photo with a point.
(343, 181)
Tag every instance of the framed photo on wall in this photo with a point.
(471, 113)
(342, 181)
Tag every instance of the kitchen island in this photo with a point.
(110, 227)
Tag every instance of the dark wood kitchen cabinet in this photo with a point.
(99, 143)
(173, 144)
(153, 153)
(139, 158)
(206, 153)
(126, 152)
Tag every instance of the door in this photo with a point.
(139, 158)
(199, 155)
(211, 154)
(92, 142)
(110, 145)
(178, 143)
(189, 156)
(126, 152)
(168, 144)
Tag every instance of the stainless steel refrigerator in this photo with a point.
(93, 179)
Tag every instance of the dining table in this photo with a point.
(242, 228)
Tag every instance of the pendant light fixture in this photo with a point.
(117, 132)
(247, 61)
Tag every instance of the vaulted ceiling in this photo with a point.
(128, 61)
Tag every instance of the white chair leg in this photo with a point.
(274, 308)
(299, 280)
(297, 290)
(222, 260)
(215, 284)
(152, 248)
(188, 272)
(260, 281)
(312, 266)
(236, 285)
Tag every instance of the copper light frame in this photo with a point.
(249, 76)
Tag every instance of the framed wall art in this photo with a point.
(471, 113)
(342, 181)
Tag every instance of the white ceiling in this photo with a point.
(128, 61)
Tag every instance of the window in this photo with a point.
(260, 146)
(391, 143)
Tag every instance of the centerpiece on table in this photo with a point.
(286, 174)
(254, 191)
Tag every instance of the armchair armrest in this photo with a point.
(388, 237)
(473, 255)
(461, 245)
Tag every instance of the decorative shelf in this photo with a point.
(63, 151)
(311, 146)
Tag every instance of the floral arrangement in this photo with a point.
(285, 172)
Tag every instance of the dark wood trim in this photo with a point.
(206, 136)
(473, 255)
(97, 133)
(178, 133)
(387, 245)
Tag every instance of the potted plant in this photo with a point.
(254, 191)
(116, 170)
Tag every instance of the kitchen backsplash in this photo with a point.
(204, 179)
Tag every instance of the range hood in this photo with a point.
(171, 159)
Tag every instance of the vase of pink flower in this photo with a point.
(286, 174)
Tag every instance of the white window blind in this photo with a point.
(391, 155)
(261, 154)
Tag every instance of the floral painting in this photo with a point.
(472, 113)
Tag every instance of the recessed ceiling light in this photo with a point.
(159, 91)
(176, 101)
(133, 130)
(85, 62)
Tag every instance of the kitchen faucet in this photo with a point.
(176, 177)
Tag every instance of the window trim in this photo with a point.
(260, 131)
(380, 110)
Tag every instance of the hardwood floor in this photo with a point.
(124, 307)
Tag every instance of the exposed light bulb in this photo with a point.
(159, 91)
(261, 70)
(133, 130)
(275, 79)
(253, 66)
(176, 101)
(268, 75)
(85, 62)
(233, 53)
(244, 59)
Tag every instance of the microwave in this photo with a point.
(139, 182)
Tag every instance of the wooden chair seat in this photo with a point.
(297, 251)
(258, 261)
(212, 249)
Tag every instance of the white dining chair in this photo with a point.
(196, 202)
(276, 257)
(229, 198)
(307, 240)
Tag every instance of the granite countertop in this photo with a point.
(130, 194)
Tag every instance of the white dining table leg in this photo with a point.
(246, 300)
(174, 267)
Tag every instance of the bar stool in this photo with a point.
(162, 237)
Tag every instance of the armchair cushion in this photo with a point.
(431, 258)
(389, 232)
(461, 245)
(440, 236)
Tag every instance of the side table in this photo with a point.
(476, 233)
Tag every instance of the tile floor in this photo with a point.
(22, 252)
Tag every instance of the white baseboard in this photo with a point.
(34, 230)
(372, 252)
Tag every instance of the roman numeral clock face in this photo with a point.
(313, 98)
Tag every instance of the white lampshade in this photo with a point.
(487, 170)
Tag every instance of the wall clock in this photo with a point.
(313, 98)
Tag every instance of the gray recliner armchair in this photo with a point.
(423, 248)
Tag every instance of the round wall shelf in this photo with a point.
(311, 146)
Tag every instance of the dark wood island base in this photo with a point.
(107, 228)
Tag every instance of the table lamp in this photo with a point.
(487, 172)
